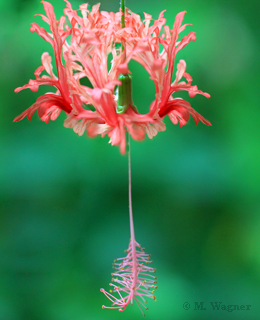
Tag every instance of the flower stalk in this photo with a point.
(123, 15)
(125, 89)
(123, 26)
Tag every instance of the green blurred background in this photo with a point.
(196, 199)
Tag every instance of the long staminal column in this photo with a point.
(133, 278)
(131, 219)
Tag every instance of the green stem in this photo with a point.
(123, 22)
(123, 15)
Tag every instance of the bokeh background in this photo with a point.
(196, 199)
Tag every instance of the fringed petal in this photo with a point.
(48, 105)
(94, 36)
(179, 111)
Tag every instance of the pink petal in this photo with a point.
(185, 40)
(49, 10)
(181, 68)
(41, 32)
(46, 62)
(136, 131)
(178, 20)
(96, 94)
(181, 110)
(123, 68)
(28, 112)
(117, 135)
(33, 85)
(97, 128)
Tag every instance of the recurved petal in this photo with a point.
(96, 94)
(193, 90)
(33, 85)
(55, 114)
(46, 62)
(28, 112)
(117, 136)
(51, 99)
(178, 20)
(41, 32)
(179, 111)
(136, 131)
(98, 128)
(185, 40)
(181, 68)
(49, 10)
(49, 106)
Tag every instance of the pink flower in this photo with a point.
(133, 279)
(81, 53)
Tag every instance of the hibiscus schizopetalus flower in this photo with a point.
(82, 44)
(82, 41)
